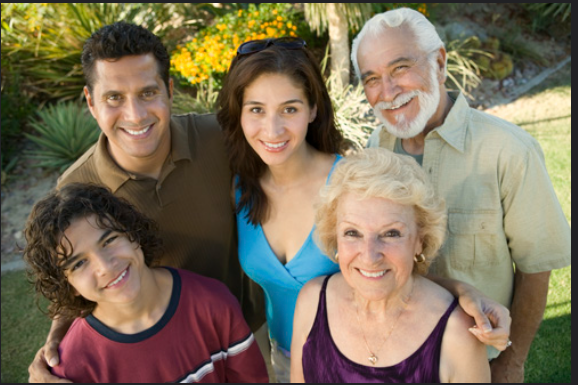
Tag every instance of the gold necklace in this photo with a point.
(372, 357)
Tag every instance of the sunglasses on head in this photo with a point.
(253, 46)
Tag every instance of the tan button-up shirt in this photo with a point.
(502, 208)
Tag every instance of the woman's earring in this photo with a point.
(336, 257)
(419, 258)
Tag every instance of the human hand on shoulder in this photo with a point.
(492, 319)
(47, 356)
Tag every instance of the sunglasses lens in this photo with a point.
(290, 42)
(252, 47)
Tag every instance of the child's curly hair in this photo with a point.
(46, 254)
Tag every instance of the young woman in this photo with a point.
(283, 143)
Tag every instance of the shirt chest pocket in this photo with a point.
(475, 239)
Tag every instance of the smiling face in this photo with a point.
(105, 266)
(400, 82)
(275, 117)
(132, 106)
(376, 240)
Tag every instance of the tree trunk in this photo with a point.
(338, 43)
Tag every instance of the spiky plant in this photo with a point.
(64, 132)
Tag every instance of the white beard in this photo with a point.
(428, 104)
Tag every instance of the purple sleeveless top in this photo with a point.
(324, 363)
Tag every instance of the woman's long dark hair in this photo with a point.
(322, 134)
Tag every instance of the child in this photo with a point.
(90, 253)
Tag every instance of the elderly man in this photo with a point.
(506, 227)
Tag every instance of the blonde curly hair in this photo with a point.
(379, 173)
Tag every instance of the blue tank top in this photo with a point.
(323, 362)
(280, 282)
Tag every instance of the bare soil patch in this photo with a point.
(26, 185)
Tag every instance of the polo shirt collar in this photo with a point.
(113, 176)
(108, 171)
(454, 128)
(180, 148)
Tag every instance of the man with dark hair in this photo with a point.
(173, 169)
(122, 39)
(91, 254)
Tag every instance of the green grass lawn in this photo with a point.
(24, 327)
(545, 113)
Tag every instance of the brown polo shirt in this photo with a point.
(190, 202)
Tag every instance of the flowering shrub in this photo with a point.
(208, 55)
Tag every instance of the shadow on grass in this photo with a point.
(521, 124)
(550, 359)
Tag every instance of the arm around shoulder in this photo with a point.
(47, 356)
(491, 319)
(463, 357)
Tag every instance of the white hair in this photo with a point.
(424, 31)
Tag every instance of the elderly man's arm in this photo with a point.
(492, 318)
(38, 370)
(528, 305)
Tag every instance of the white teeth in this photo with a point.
(399, 102)
(120, 277)
(275, 145)
(138, 132)
(372, 275)
(401, 105)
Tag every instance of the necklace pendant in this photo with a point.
(372, 359)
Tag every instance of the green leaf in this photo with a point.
(64, 132)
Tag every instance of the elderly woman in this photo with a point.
(379, 319)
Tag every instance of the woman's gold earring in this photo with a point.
(419, 258)
(336, 257)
